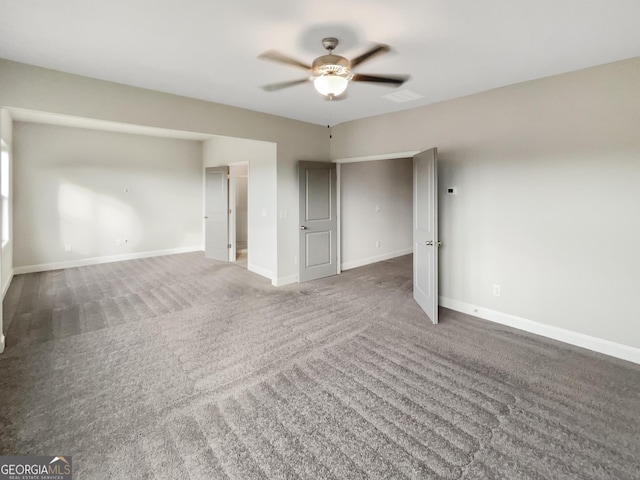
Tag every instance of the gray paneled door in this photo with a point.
(318, 222)
(216, 217)
(425, 232)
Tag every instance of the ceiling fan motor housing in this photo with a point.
(331, 65)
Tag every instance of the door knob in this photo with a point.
(428, 243)
(206, 217)
(302, 227)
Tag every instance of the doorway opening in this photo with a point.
(238, 214)
(381, 211)
(376, 207)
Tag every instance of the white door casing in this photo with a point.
(232, 216)
(425, 232)
(216, 215)
(318, 220)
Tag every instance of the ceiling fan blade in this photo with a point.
(278, 86)
(377, 50)
(396, 80)
(282, 58)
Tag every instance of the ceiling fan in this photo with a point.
(332, 73)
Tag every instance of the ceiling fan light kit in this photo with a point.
(331, 73)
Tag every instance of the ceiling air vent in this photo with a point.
(403, 96)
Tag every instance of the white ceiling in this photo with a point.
(208, 49)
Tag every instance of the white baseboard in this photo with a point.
(595, 344)
(279, 282)
(5, 289)
(376, 258)
(44, 267)
(1, 343)
(260, 271)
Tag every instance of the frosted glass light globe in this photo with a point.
(330, 85)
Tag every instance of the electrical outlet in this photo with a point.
(496, 290)
(67, 248)
(377, 244)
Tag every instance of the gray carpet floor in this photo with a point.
(180, 367)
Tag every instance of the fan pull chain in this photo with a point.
(330, 117)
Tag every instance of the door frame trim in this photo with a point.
(381, 156)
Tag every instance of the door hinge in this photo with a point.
(229, 210)
(229, 245)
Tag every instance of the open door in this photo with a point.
(425, 232)
(216, 217)
(318, 220)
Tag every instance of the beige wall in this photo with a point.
(546, 171)
(548, 178)
(92, 189)
(34, 88)
(376, 205)
(262, 195)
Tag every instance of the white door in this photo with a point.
(216, 218)
(425, 232)
(318, 220)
